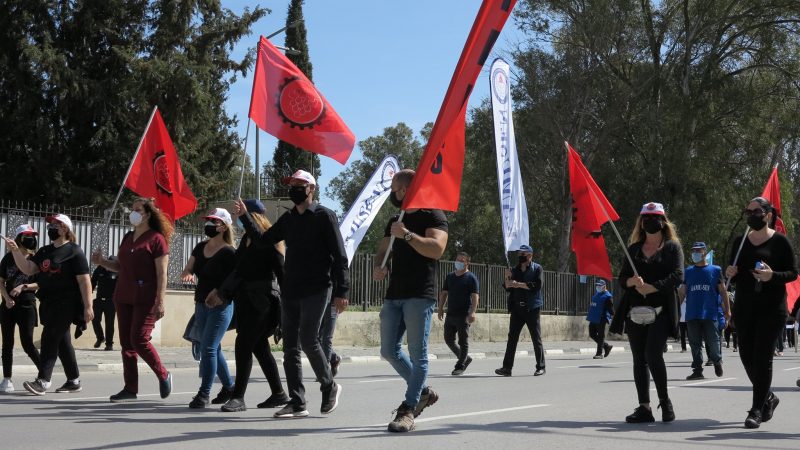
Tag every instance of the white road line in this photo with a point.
(792, 368)
(69, 399)
(470, 414)
(699, 383)
(594, 365)
(382, 380)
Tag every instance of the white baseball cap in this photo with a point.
(652, 208)
(60, 218)
(219, 214)
(300, 175)
(25, 229)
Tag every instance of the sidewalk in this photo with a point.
(181, 357)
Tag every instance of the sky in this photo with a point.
(378, 62)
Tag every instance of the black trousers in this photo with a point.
(520, 317)
(252, 338)
(56, 342)
(457, 325)
(758, 333)
(647, 348)
(597, 331)
(684, 330)
(24, 317)
(104, 307)
(730, 332)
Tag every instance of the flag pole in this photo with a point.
(244, 159)
(130, 167)
(391, 241)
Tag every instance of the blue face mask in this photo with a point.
(460, 265)
(697, 257)
(598, 288)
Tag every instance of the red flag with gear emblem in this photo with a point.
(156, 172)
(285, 104)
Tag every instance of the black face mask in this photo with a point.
(523, 259)
(52, 233)
(756, 222)
(29, 242)
(211, 230)
(393, 198)
(652, 226)
(298, 194)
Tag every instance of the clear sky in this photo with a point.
(378, 62)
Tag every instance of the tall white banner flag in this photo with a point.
(360, 216)
(513, 209)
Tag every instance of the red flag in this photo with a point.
(437, 183)
(156, 172)
(588, 202)
(772, 192)
(286, 105)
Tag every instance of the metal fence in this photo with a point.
(563, 293)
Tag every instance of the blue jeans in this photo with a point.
(411, 315)
(699, 331)
(212, 324)
(327, 330)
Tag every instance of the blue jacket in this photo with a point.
(532, 276)
(601, 308)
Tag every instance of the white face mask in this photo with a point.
(135, 218)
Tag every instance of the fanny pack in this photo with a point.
(644, 315)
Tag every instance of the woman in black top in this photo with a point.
(656, 253)
(65, 293)
(212, 261)
(760, 308)
(18, 307)
(257, 311)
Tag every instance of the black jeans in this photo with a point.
(104, 306)
(520, 317)
(597, 331)
(301, 320)
(684, 329)
(457, 325)
(327, 330)
(252, 338)
(730, 332)
(57, 319)
(647, 348)
(24, 317)
(758, 333)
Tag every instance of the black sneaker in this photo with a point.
(199, 401)
(335, 361)
(718, 369)
(275, 400)
(165, 386)
(109, 347)
(458, 369)
(640, 415)
(597, 356)
(224, 395)
(709, 363)
(98, 342)
(753, 419)
(667, 412)
(123, 396)
(235, 404)
(696, 375)
(403, 422)
(35, 387)
(607, 351)
(330, 398)
(503, 372)
(291, 411)
(70, 387)
(769, 407)
(539, 372)
(427, 398)
(467, 362)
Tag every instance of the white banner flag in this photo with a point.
(360, 216)
(513, 209)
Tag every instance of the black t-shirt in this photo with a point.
(14, 277)
(211, 272)
(413, 275)
(58, 269)
(459, 292)
(663, 270)
(777, 253)
(105, 281)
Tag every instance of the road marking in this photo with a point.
(699, 383)
(382, 380)
(470, 414)
(594, 365)
(792, 368)
(107, 396)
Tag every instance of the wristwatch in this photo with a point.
(408, 236)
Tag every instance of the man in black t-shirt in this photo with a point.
(420, 240)
(460, 291)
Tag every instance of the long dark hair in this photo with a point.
(158, 220)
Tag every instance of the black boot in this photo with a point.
(640, 415)
(753, 419)
(667, 413)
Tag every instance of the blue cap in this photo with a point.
(525, 248)
(254, 206)
(699, 245)
(600, 282)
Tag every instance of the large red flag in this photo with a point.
(437, 183)
(286, 105)
(156, 172)
(588, 203)
(772, 192)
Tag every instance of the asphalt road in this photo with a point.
(579, 403)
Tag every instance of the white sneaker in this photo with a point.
(6, 386)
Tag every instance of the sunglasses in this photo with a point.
(754, 212)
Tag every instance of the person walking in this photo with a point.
(65, 294)
(18, 309)
(648, 311)
(765, 264)
(524, 286)
(211, 262)
(141, 264)
(461, 292)
(254, 283)
(105, 281)
(420, 240)
(601, 309)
